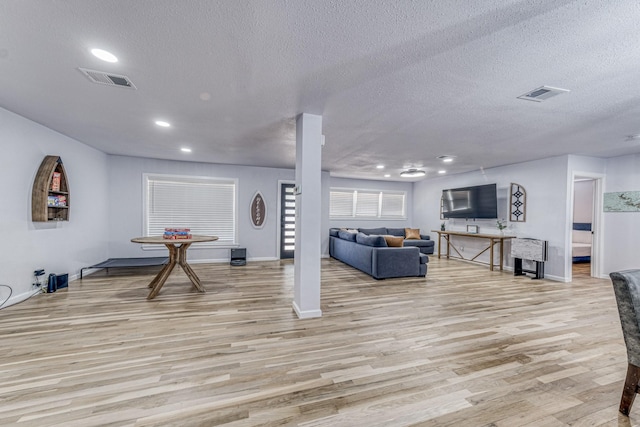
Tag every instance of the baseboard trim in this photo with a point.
(226, 260)
(309, 314)
(546, 276)
(556, 278)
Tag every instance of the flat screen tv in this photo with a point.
(478, 202)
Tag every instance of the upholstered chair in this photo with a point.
(626, 285)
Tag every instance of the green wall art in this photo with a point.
(626, 201)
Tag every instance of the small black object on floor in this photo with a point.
(238, 256)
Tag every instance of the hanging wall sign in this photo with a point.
(258, 210)
(517, 203)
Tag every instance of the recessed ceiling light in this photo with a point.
(380, 167)
(412, 173)
(386, 175)
(104, 55)
(185, 150)
(162, 123)
(446, 159)
(442, 171)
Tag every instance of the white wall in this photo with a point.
(547, 193)
(374, 185)
(61, 247)
(622, 229)
(125, 213)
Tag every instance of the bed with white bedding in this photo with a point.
(581, 239)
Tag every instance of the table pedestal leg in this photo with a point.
(177, 255)
(182, 260)
(166, 270)
(158, 281)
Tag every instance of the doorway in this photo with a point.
(585, 226)
(287, 220)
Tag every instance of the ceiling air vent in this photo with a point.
(542, 93)
(108, 79)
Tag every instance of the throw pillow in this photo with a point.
(345, 235)
(412, 233)
(370, 231)
(394, 241)
(349, 230)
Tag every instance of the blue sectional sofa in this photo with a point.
(425, 244)
(370, 254)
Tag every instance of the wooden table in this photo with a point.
(492, 238)
(177, 255)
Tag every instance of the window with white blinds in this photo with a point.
(367, 204)
(205, 205)
(341, 203)
(363, 204)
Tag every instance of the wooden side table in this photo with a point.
(177, 255)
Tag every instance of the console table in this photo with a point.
(493, 239)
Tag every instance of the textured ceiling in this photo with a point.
(397, 82)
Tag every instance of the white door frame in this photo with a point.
(596, 225)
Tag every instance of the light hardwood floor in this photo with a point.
(462, 347)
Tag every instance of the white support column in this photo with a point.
(307, 254)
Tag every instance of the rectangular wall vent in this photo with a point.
(108, 79)
(542, 93)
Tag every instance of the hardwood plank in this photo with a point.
(464, 346)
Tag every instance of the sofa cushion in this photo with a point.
(371, 231)
(393, 241)
(376, 241)
(412, 233)
(418, 243)
(347, 235)
(334, 232)
(395, 231)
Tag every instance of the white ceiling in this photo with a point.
(397, 82)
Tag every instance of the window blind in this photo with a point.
(341, 203)
(205, 205)
(367, 204)
(392, 205)
(373, 204)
